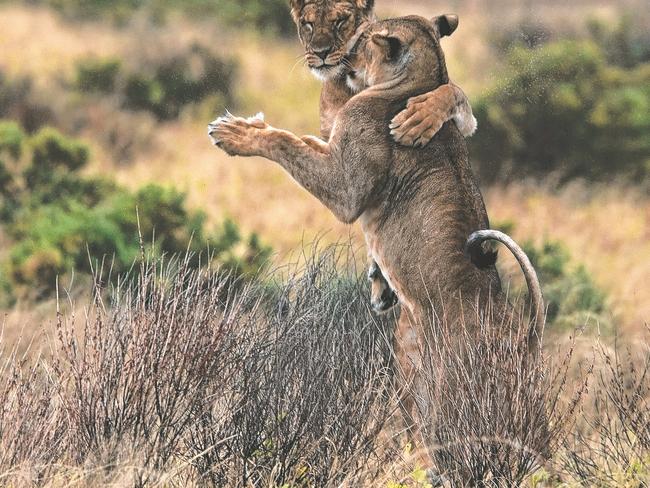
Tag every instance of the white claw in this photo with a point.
(214, 125)
(259, 116)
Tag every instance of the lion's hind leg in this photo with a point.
(382, 297)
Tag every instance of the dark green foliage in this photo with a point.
(52, 151)
(117, 10)
(60, 220)
(162, 86)
(625, 44)
(268, 15)
(572, 298)
(262, 14)
(529, 33)
(97, 75)
(177, 81)
(12, 138)
(18, 102)
(562, 109)
(243, 254)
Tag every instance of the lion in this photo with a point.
(326, 29)
(417, 205)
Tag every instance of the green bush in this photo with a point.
(268, 15)
(626, 43)
(175, 82)
(58, 240)
(117, 10)
(97, 75)
(18, 102)
(52, 150)
(58, 219)
(271, 15)
(162, 86)
(562, 109)
(12, 138)
(572, 297)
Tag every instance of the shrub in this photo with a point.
(308, 402)
(57, 218)
(31, 431)
(53, 152)
(12, 139)
(179, 376)
(19, 102)
(530, 33)
(562, 109)
(174, 82)
(626, 43)
(117, 10)
(55, 239)
(268, 15)
(271, 15)
(572, 298)
(97, 75)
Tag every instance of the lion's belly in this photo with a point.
(391, 270)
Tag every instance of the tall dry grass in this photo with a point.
(184, 377)
(173, 375)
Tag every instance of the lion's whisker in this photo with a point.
(302, 61)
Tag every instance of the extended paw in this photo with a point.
(419, 121)
(235, 135)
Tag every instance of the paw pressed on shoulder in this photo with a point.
(237, 136)
(422, 118)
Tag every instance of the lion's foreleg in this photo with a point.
(310, 161)
(425, 114)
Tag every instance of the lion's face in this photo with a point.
(393, 50)
(325, 28)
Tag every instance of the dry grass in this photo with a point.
(178, 377)
(184, 378)
(188, 377)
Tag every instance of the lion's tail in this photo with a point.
(473, 247)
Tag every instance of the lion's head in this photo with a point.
(390, 51)
(325, 28)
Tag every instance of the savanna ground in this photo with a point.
(589, 233)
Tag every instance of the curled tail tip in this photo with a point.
(480, 257)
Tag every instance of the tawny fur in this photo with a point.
(334, 25)
(417, 205)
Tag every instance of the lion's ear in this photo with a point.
(390, 45)
(365, 5)
(296, 6)
(445, 25)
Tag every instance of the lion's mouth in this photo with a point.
(332, 62)
(328, 71)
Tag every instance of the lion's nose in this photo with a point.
(323, 52)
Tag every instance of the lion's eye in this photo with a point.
(341, 22)
(308, 26)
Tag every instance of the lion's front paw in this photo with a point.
(418, 122)
(237, 136)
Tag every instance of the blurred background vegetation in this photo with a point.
(104, 112)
